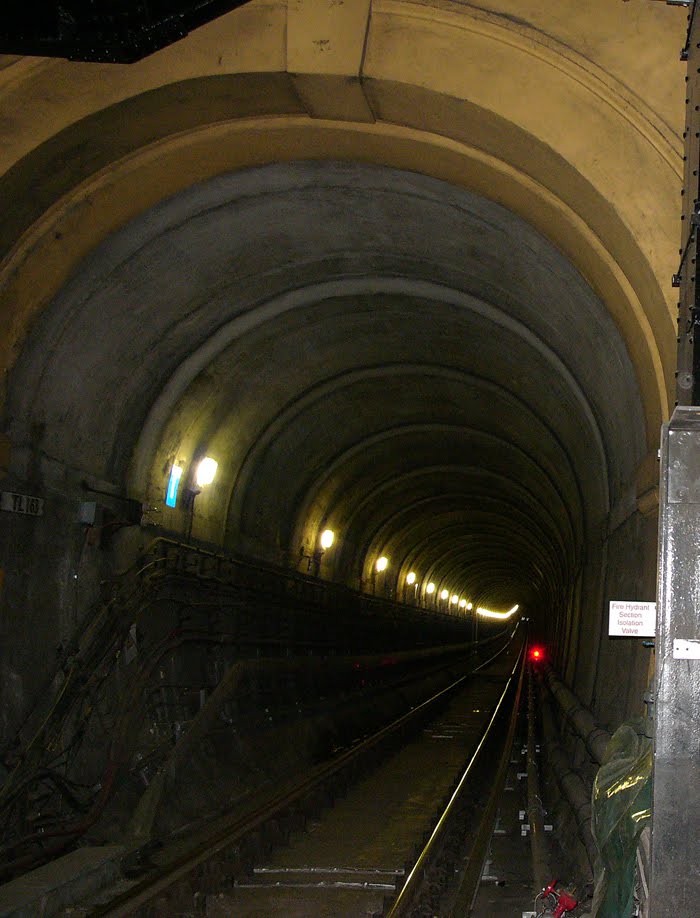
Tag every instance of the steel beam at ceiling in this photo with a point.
(122, 31)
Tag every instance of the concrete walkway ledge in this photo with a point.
(61, 884)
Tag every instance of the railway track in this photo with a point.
(396, 825)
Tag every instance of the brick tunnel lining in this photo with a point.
(333, 332)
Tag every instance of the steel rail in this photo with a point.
(276, 804)
(414, 880)
(468, 883)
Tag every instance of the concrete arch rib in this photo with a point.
(195, 370)
(531, 468)
(196, 362)
(516, 33)
(470, 562)
(185, 139)
(482, 577)
(392, 529)
(496, 526)
(358, 527)
(470, 568)
(517, 443)
(472, 479)
(461, 560)
(502, 506)
(290, 413)
(395, 493)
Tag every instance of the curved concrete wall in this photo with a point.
(402, 268)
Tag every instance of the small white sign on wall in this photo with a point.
(686, 649)
(631, 618)
(21, 503)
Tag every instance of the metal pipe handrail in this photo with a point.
(572, 785)
(167, 552)
(594, 736)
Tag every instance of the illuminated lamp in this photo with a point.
(487, 613)
(206, 472)
(327, 538)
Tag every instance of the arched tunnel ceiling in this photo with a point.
(427, 86)
(358, 346)
(361, 346)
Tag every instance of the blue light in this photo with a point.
(173, 485)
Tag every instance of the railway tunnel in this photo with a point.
(402, 269)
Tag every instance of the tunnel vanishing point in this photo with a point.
(401, 267)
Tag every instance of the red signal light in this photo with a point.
(536, 655)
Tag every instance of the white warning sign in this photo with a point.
(632, 618)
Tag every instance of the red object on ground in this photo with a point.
(565, 904)
(564, 901)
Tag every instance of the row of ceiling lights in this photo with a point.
(382, 563)
(204, 475)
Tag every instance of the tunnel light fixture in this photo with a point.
(410, 578)
(444, 594)
(455, 599)
(487, 613)
(173, 485)
(470, 606)
(463, 604)
(206, 472)
(382, 564)
(430, 588)
(327, 538)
